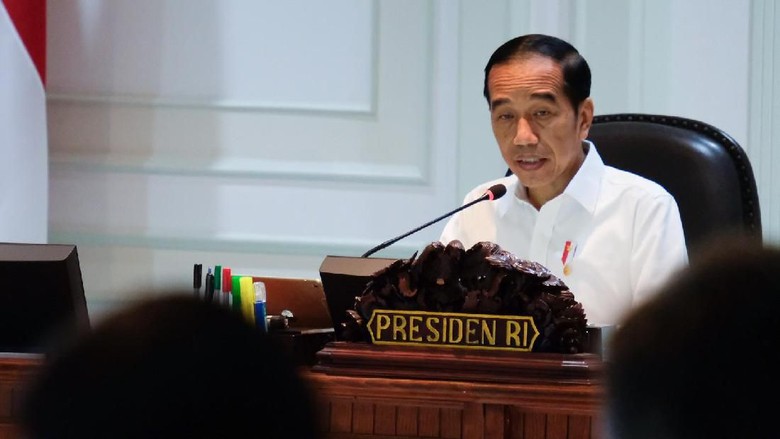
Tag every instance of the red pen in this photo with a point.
(227, 285)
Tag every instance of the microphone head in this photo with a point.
(496, 191)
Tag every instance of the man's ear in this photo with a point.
(585, 117)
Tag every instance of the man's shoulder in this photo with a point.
(624, 183)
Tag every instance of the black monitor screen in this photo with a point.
(41, 296)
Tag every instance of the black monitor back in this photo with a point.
(41, 296)
(343, 279)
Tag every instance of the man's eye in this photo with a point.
(542, 113)
(505, 116)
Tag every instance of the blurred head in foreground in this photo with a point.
(696, 361)
(171, 367)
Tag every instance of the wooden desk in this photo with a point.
(380, 392)
(16, 370)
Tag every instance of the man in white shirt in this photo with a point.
(611, 236)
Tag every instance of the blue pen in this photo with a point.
(260, 309)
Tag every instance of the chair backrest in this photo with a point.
(704, 169)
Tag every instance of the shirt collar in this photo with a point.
(583, 188)
(514, 191)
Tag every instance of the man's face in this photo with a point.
(539, 133)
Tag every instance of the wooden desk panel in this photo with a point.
(359, 396)
(542, 404)
(16, 370)
(416, 409)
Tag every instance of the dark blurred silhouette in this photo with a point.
(697, 360)
(170, 367)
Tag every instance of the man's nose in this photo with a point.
(525, 134)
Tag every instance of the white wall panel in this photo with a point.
(709, 63)
(686, 59)
(765, 112)
(333, 161)
(173, 207)
(291, 54)
(363, 118)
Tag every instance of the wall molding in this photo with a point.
(215, 104)
(241, 168)
(764, 121)
(254, 244)
(636, 58)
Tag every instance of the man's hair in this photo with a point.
(697, 360)
(576, 73)
(170, 367)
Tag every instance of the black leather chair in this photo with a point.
(704, 168)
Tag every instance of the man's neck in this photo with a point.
(539, 196)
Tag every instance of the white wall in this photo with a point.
(265, 135)
(764, 114)
(23, 156)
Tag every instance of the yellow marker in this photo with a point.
(246, 284)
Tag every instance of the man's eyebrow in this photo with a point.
(496, 102)
(545, 96)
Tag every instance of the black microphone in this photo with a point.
(493, 193)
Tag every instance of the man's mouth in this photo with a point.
(530, 163)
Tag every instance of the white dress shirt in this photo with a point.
(623, 231)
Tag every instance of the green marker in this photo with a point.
(236, 282)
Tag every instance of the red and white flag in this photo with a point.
(23, 141)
